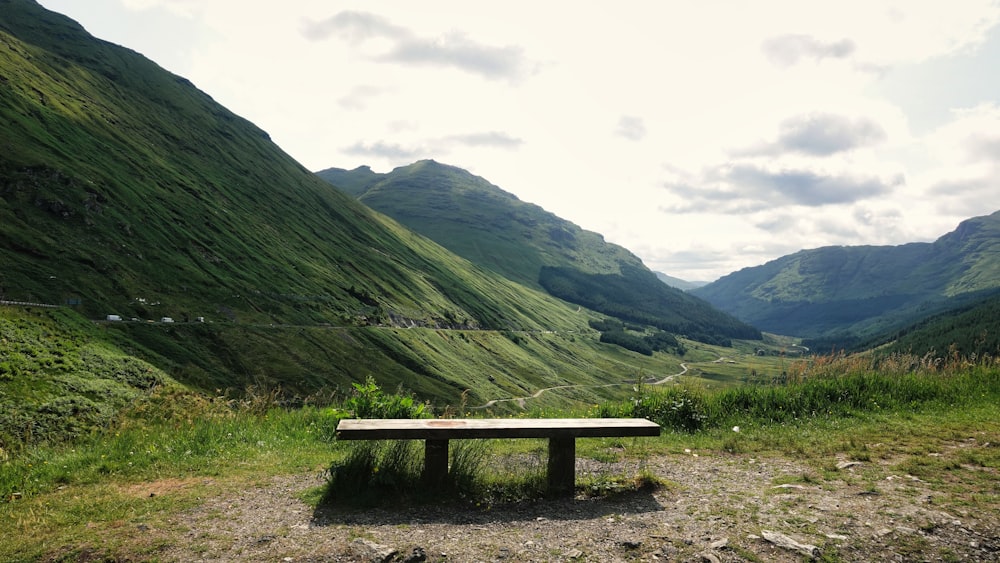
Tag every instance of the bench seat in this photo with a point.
(561, 433)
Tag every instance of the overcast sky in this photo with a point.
(704, 136)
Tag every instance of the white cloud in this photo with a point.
(432, 148)
(964, 176)
(787, 50)
(185, 8)
(824, 134)
(359, 97)
(404, 47)
(631, 127)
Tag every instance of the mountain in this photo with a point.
(123, 186)
(125, 190)
(972, 331)
(479, 221)
(680, 284)
(847, 293)
(524, 243)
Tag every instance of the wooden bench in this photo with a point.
(561, 433)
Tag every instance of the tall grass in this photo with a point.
(824, 386)
(391, 471)
(175, 433)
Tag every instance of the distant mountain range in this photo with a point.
(526, 244)
(680, 284)
(848, 294)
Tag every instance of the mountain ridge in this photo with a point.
(681, 284)
(862, 290)
(529, 245)
(140, 178)
(461, 211)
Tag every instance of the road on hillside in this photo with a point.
(521, 400)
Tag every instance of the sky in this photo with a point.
(704, 136)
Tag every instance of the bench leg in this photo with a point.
(562, 466)
(435, 462)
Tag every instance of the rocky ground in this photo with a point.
(711, 508)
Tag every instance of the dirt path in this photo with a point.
(713, 508)
(522, 400)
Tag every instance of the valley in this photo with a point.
(186, 313)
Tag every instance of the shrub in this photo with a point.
(677, 408)
(369, 401)
(374, 469)
(627, 341)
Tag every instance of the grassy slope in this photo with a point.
(122, 181)
(86, 502)
(58, 382)
(127, 188)
(863, 290)
(481, 222)
(63, 377)
(972, 331)
(525, 243)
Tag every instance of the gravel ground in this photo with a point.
(712, 508)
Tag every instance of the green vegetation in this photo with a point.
(66, 377)
(54, 498)
(636, 295)
(480, 222)
(637, 338)
(972, 331)
(528, 245)
(58, 384)
(369, 401)
(125, 190)
(823, 387)
(848, 294)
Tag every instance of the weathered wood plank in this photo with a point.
(467, 428)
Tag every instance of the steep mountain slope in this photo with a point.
(523, 242)
(479, 221)
(860, 291)
(972, 331)
(125, 190)
(124, 186)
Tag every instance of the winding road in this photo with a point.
(521, 400)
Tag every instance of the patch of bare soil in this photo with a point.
(712, 508)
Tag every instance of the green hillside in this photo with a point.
(972, 331)
(481, 222)
(844, 293)
(521, 241)
(125, 190)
